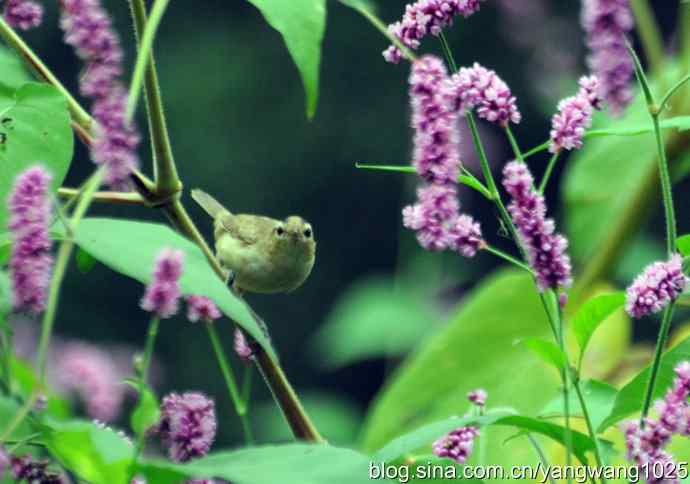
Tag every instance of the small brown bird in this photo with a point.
(265, 255)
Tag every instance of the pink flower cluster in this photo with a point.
(163, 293)
(574, 116)
(546, 249)
(606, 23)
(88, 29)
(187, 425)
(242, 347)
(27, 469)
(31, 261)
(23, 14)
(435, 217)
(646, 446)
(201, 308)
(425, 17)
(478, 397)
(658, 285)
(456, 445)
(479, 88)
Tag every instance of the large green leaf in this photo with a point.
(477, 349)
(371, 319)
(599, 398)
(289, 463)
(629, 398)
(12, 71)
(592, 313)
(131, 247)
(34, 128)
(302, 24)
(93, 453)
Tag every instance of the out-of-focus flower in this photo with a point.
(23, 14)
(658, 285)
(425, 17)
(27, 469)
(456, 445)
(574, 116)
(546, 249)
(187, 425)
(4, 461)
(478, 397)
(606, 23)
(163, 293)
(201, 308)
(93, 374)
(89, 30)
(242, 347)
(479, 88)
(646, 446)
(436, 154)
(30, 261)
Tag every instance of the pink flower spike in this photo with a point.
(23, 14)
(31, 261)
(456, 445)
(201, 308)
(658, 285)
(163, 293)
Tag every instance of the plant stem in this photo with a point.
(448, 53)
(19, 417)
(666, 189)
(6, 347)
(547, 173)
(122, 198)
(684, 31)
(652, 42)
(513, 143)
(507, 257)
(16, 42)
(664, 102)
(61, 262)
(230, 382)
(590, 426)
(542, 457)
(165, 170)
(565, 376)
(658, 352)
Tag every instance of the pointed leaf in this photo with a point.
(592, 313)
(547, 351)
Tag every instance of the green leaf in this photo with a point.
(581, 442)
(8, 409)
(371, 319)
(592, 313)
(34, 128)
(629, 398)
(683, 244)
(85, 261)
(400, 447)
(92, 453)
(147, 411)
(302, 24)
(131, 247)
(680, 123)
(472, 351)
(548, 351)
(599, 397)
(12, 68)
(289, 463)
(5, 293)
(25, 380)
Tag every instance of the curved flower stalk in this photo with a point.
(88, 29)
(606, 23)
(31, 261)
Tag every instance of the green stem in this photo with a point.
(590, 426)
(448, 53)
(666, 188)
(537, 149)
(549, 170)
(671, 92)
(652, 42)
(381, 27)
(565, 376)
(120, 198)
(19, 416)
(542, 457)
(78, 113)
(507, 257)
(61, 262)
(513, 143)
(658, 352)
(144, 55)
(151, 336)
(165, 170)
(6, 346)
(684, 32)
(230, 382)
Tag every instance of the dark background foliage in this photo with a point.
(235, 109)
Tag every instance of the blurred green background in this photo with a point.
(235, 108)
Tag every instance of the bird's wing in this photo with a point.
(247, 228)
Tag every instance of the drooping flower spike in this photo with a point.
(31, 261)
(606, 23)
(163, 293)
(88, 29)
(658, 285)
(546, 249)
(425, 17)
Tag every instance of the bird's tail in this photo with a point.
(208, 203)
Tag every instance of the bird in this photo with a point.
(263, 255)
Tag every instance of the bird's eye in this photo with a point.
(307, 233)
(280, 231)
